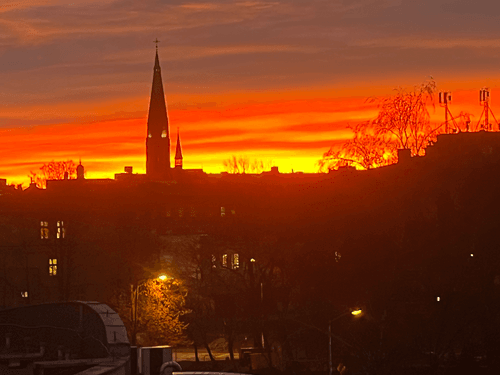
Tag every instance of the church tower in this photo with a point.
(158, 137)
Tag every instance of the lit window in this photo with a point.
(438, 299)
(53, 267)
(252, 260)
(192, 211)
(236, 261)
(224, 260)
(169, 213)
(337, 256)
(223, 211)
(214, 260)
(61, 231)
(149, 135)
(44, 230)
(164, 134)
(181, 212)
(24, 294)
(472, 255)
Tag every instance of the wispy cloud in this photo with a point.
(430, 43)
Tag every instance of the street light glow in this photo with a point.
(356, 312)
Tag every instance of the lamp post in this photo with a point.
(355, 312)
(135, 296)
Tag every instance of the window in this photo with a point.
(192, 211)
(224, 260)
(164, 134)
(233, 212)
(24, 294)
(61, 231)
(181, 212)
(169, 213)
(223, 211)
(214, 260)
(53, 267)
(236, 261)
(44, 230)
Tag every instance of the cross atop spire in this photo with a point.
(156, 41)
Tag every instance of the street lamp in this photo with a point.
(355, 312)
(135, 292)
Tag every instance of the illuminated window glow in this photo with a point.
(472, 255)
(164, 134)
(252, 260)
(24, 294)
(438, 299)
(181, 212)
(61, 231)
(53, 267)
(236, 261)
(224, 260)
(214, 260)
(44, 230)
(223, 211)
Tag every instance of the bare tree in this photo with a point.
(405, 117)
(243, 164)
(364, 151)
(55, 170)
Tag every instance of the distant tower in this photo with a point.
(178, 152)
(80, 171)
(158, 138)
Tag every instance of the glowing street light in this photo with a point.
(356, 312)
(135, 290)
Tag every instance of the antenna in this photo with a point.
(484, 100)
(444, 99)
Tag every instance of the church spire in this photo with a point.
(158, 137)
(178, 152)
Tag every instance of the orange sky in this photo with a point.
(272, 80)
(291, 133)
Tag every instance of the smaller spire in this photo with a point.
(178, 152)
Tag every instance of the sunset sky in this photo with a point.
(273, 80)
